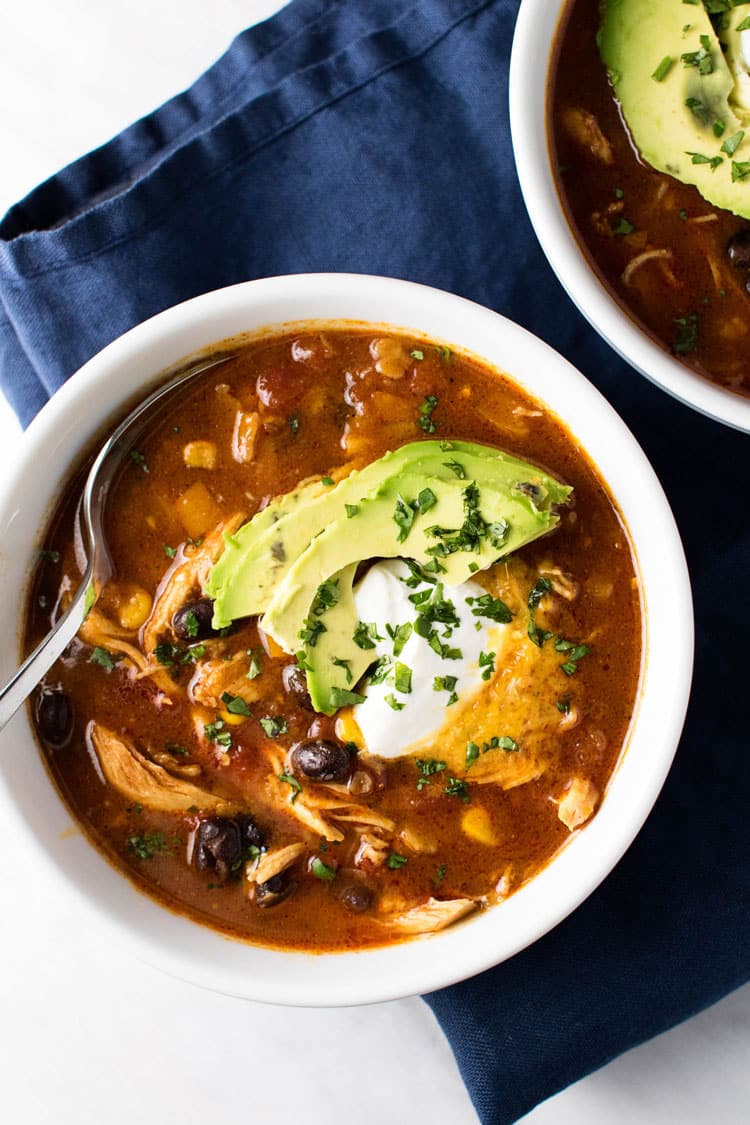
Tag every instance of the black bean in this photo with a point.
(54, 717)
(274, 891)
(218, 846)
(738, 249)
(318, 759)
(295, 683)
(192, 622)
(250, 834)
(356, 897)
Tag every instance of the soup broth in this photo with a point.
(177, 745)
(676, 263)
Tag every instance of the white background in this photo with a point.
(87, 1037)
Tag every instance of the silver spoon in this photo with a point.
(89, 518)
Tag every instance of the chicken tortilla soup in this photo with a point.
(370, 651)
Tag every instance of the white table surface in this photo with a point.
(88, 1038)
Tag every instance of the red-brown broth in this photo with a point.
(694, 302)
(337, 390)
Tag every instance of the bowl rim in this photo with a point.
(531, 58)
(197, 954)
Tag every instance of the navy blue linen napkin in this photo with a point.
(374, 138)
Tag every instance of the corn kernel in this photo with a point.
(200, 455)
(347, 728)
(477, 824)
(134, 608)
(232, 720)
(197, 510)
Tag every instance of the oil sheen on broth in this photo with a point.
(191, 755)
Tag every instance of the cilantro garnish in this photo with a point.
(346, 665)
(322, 871)
(273, 727)
(145, 845)
(541, 587)
(103, 658)
(402, 678)
(455, 787)
(139, 460)
(426, 411)
(493, 608)
(395, 861)
(487, 664)
(293, 784)
(366, 634)
(393, 703)
(427, 768)
(340, 697)
(218, 733)
(256, 664)
(236, 705)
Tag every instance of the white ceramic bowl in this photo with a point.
(533, 43)
(185, 949)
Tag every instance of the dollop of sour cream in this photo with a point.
(428, 661)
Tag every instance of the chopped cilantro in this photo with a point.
(236, 705)
(311, 631)
(696, 106)
(145, 845)
(191, 623)
(381, 671)
(426, 411)
(487, 664)
(541, 587)
(456, 467)
(351, 510)
(217, 732)
(293, 784)
(256, 664)
(139, 460)
(472, 753)
(273, 727)
(366, 634)
(395, 861)
(328, 481)
(417, 353)
(402, 678)
(446, 683)
(663, 68)
(170, 552)
(346, 665)
(455, 787)
(563, 704)
(403, 517)
(427, 768)
(400, 635)
(393, 703)
(294, 424)
(493, 608)
(340, 697)
(103, 658)
(686, 336)
(740, 168)
(176, 748)
(701, 158)
(322, 871)
(439, 875)
(426, 500)
(622, 226)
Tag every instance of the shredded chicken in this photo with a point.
(143, 781)
(100, 631)
(213, 678)
(431, 916)
(562, 583)
(577, 803)
(273, 862)
(641, 259)
(372, 851)
(583, 127)
(185, 580)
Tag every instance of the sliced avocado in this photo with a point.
(454, 507)
(259, 555)
(687, 106)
